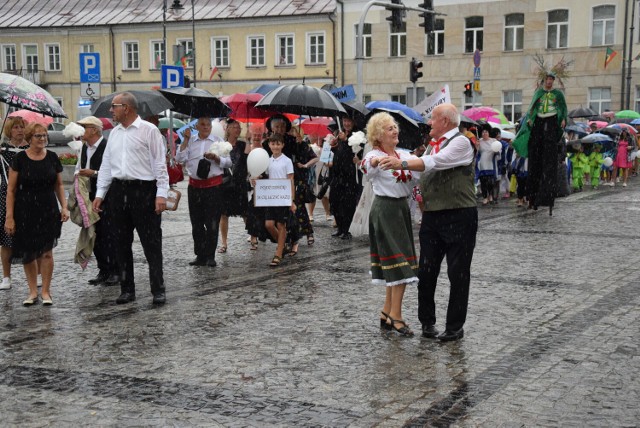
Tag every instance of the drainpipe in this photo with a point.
(624, 51)
(113, 59)
(341, 3)
(333, 30)
(630, 54)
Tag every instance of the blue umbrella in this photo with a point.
(264, 89)
(596, 138)
(392, 105)
(578, 130)
(635, 122)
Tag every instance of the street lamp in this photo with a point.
(177, 5)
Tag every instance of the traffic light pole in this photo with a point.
(360, 38)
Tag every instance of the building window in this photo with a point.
(284, 49)
(366, 39)
(398, 41)
(59, 119)
(131, 53)
(53, 57)
(87, 48)
(602, 32)
(220, 54)
(557, 29)
(9, 58)
(600, 99)
(473, 33)
(435, 40)
(512, 105)
(315, 48)
(513, 32)
(188, 51)
(399, 98)
(30, 58)
(256, 51)
(157, 54)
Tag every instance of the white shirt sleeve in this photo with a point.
(458, 152)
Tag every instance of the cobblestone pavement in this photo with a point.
(551, 338)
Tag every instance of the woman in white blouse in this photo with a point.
(393, 257)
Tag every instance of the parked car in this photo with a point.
(56, 138)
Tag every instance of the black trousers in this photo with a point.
(132, 206)
(104, 248)
(450, 234)
(204, 212)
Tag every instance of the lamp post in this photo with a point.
(177, 5)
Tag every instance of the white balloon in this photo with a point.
(496, 146)
(216, 129)
(257, 162)
(607, 161)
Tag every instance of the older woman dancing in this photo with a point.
(393, 256)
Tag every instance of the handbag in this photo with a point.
(324, 188)
(204, 166)
(175, 171)
(173, 199)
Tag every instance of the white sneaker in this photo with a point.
(624, 184)
(6, 283)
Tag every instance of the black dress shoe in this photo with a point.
(211, 262)
(429, 331)
(346, 236)
(159, 299)
(112, 280)
(125, 298)
(198, 261)
(337, 235)
(102, 277)
(448, 335)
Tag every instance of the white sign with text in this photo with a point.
(432, 101)
(273, 193)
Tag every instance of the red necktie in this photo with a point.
(436, 144)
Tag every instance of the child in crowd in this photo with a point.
(579, 164)
(594, 166)
(276, 218)
(520, 168)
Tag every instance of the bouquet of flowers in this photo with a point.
(220, 148)
(357, 141)
(74, 131)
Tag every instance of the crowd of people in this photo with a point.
(364, 189)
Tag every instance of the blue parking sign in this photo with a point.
(90, 67)
(172, 76)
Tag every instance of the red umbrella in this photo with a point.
(32, 116)
(316, 126)
(106, 123)
(263, 120)
(625, 127)
(243, 107)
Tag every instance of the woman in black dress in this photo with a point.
(234, 194)
(14, 131)
(33, 217)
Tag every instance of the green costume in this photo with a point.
(595, 165)
(579, 164)
(544, 102)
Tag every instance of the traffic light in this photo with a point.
(429, 20)
(467, 89)
(414, 70)
(396, 17)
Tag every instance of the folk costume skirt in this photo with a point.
(393, 254)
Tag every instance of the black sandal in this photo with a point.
(383, 322)
(310, 240)
(404, 331)
(275, 261)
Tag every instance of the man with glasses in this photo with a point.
(134, 172)
(88, 166)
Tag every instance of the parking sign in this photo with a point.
(90, 67)
(172, 76)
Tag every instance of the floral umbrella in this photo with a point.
(488, 114)
(18, 92)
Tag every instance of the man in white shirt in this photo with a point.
(449, 221)
(134, 172)
(88, 166)
(205, 171)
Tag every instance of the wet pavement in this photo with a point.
(550, 340)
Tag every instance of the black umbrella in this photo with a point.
(357, 111)
(303, 100)
(150, 103)
(411, 134)
(582, 112)
(19, 92)
(467, 119)
(610, 131)
(196, 102)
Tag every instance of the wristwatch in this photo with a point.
(404, 164)
(95, 172)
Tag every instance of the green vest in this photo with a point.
(450, 188)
